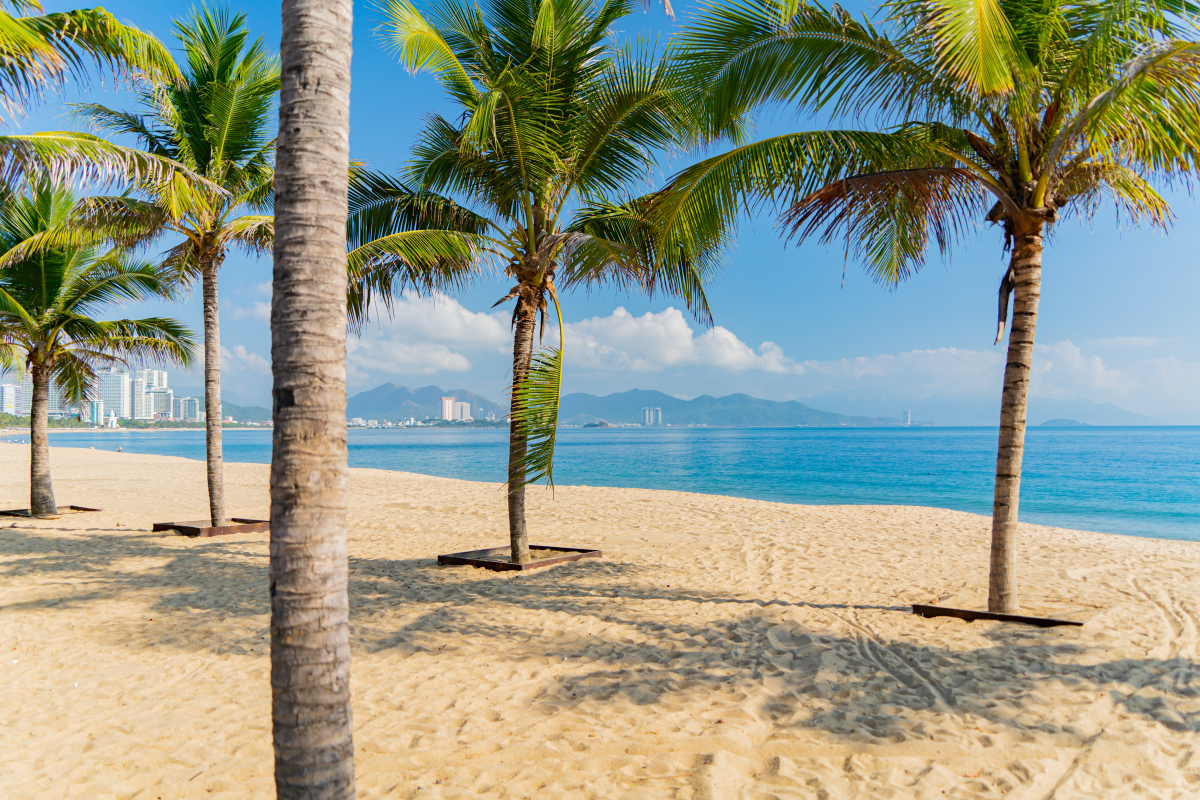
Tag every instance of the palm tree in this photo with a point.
(1018, 112)
(309, 571)
(216, 124)
(49, 298)
(559, 124)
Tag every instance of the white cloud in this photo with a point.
(917, 373)
(424, 335)
(258, 310)
(242, 360)
(657, 341)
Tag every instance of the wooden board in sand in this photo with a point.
(202, 528)
(497, 558)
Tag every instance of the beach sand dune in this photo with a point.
(722, 648)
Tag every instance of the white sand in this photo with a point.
(722, 648)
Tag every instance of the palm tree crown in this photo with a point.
(49, 299)
(560, 128)
(216, 123)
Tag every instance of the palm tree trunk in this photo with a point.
(41, 491)
(310, 607)
(518, 532)
(212, 393)
(1027, 272)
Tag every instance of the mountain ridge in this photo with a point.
(734, 410)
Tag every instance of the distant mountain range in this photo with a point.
(985, 410)
(735, 410)
(393, 402)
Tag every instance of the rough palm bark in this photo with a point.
(1027, 275)
(41, 490)
(212, 392)
(525, 318)
(310, 619)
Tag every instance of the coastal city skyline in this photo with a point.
(118, 394)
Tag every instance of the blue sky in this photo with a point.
(1118, 317)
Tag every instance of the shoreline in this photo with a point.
(719, 645)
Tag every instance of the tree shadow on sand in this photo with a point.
(652, 645)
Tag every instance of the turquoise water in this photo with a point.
(1140, 481)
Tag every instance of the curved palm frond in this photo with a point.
(885, 218)
(425, 260)
(56, 157)
(40, 51)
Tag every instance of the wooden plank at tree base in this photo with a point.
(202, 528)
(971, 616)
(24, 512)
(496, 558)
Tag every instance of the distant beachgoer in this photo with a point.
(118, 448)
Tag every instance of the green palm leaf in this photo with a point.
(535, 414)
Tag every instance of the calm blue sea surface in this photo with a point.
(1139, 481)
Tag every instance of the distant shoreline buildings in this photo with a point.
(651, 417)
(119, 394)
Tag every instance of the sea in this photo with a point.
(1138, 481)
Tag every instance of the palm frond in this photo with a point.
(535, 412)
(885, 219)
(58, 157)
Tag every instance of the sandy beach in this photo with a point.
(722, 648)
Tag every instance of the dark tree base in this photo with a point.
(497, 558)
(971, 616)
(202, 528)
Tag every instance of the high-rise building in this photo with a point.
(161, 403)
(462, 412)
(116, 391)
(10, 398)
(143, 407)
(188, 409)
(658, 416)
(906, 417)
(651, 416)
(58, 407)
(92, 411)
(154, 378)
(448, 409)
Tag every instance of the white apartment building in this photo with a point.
(154, 378)
(58, 408)
(462, 412)
(448, 409)
(188, 409)
(142, 402)
(10, 398)
(162, 405)
(116, 391)
(92, 411)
